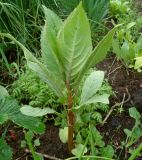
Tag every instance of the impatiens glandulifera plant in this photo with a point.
(67, 54)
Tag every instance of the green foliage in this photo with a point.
(10, 110)
(63, 45)
(36, 94)
(107, 151)
(88, 115)
(133, 135)
(95, 9)
(23, 18)
(136, 152)
(129, 52)
(93, 145)
(3, 91)
(91, 86)
(77, 151)
(69, 49)
(119, 7)
(5, 150)
(63, 134)
(36, 112)
(132, 22)
(128, 39)
(28, 137)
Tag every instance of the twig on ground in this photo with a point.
(24, 155)
(116, 105)
(44, 155)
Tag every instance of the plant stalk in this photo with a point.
(70, 118)
(136, 152)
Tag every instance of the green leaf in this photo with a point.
(91, 86)
(116, 48)
(29, 136)
(95, 99)
(3, 91)
(63, 134)
(97, 137)
(138, 63)
(77, 151)
(23, 144)
(3, 118)
(32, 123)
(5, 150)
(125, 51)
(56, 84)
(98, 99)
(136, 133)
(10, 108)
(36, 112)
(102, 48)
(74, 42)
(128, 132)
(139, 44)
(130, 25)
(134, 113)
(98, 54)
(107, 152)
(36, 142)
(49, 41)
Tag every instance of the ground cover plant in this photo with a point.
(83, 112)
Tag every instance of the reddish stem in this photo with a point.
(70, 118)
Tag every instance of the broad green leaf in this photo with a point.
(56, 84)
(130, 25)
(128, 132)
(49, 41)
(107, 151)
(28, 122)
(97, 137)
(137, 132)
(133, 135)
(63, 134)
(138, 63)
(139, 44)
(3, 91)
(3, 118)
(98, 54)
(95, 99)
(29, 137)
(37, 142)
(10, 108)
(91, 86)
(36, 112)
(74, 42)
(50, 78)
(134, 113)
(102, 48)
(125, 51)
(132, 50)
(99, 99)
(5, 150)
(116, 48)
(77, 151)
